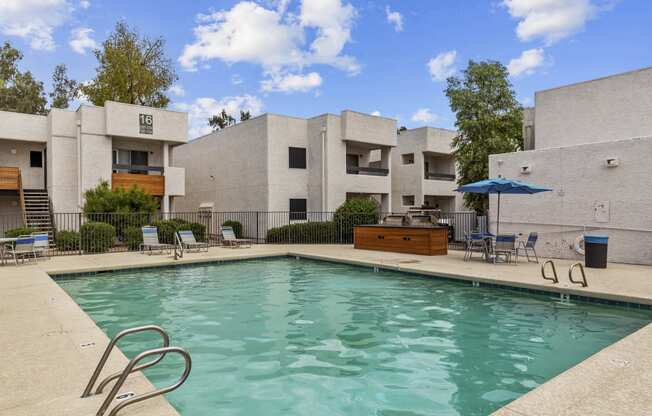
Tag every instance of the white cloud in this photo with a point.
(81, 41)
(200, 110)
(551, 20)
(395, 18)
(274, 38)
(424, 115)
(33, 20)
(236, 79)
(527, 63)
(177, 90)
(84, 4)
(443, 65)
(375, 113)
(292, 82)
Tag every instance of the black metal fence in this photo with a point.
(78, 233)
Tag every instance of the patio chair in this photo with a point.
(23, 248)
(41, 244)
(505, 246)
(189, 243)
(529, 246)
(150, 241)
(229, 239)
(474, 243)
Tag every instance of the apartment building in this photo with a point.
(48, 162)
(590, 142)
(424, 170)
(280, 163)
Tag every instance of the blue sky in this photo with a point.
(307, 57)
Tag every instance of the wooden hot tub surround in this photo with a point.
(426, 240)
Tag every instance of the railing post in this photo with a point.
(79, 225)
(257, 220)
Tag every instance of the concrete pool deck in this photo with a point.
(45, 367)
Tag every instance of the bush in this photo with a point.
(133, 237)
(17, 232)
(304, 233)
(67, 240)
(236, 225)
(102, 199)
(97, 237)
(356, 211)
(198, 230)
(166, 230)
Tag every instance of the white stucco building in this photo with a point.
(280, 163)
(590, 142)
(54, 159)
(424, 170)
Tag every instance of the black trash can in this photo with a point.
(595, 251)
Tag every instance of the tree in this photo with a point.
(244, 115)
(19, 91)
(132, 69)
(400, 129)
(64, 88)
(221, 121)
(102, 200)
(489, 120)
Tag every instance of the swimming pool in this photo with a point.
(295, 337)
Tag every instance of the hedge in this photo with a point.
(198, 230)
(167, 229)
(97, 237)
(236, 225)
(67, 240)
(17, 232)
(133, 237)
(305, 233)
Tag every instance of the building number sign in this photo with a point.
(146, 124)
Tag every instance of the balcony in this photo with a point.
(127, 176)
(439, 176)
(9, 179)
(361, 170)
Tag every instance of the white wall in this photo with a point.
(580, 180)
(23, 127)
(606, 109)
(123, 120)
(32, 177)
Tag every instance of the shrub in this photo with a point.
(166, 230)
(67, 240)
(198, 230)
(304, 233)
(103, 199)
(97, 237)
(236, 225)
(17, 232)
(133, 237)
(356, 211)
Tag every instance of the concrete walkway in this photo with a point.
(45, 366)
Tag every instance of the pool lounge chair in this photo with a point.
(41, 244)
(22, 248)
(189, 243)
(151, 243)
(529, 246)
(229, 239)
(505, 246)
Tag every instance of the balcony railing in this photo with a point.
(9, 179)
(360, 170)
(152, 184)
(137, 168)
(440, 176)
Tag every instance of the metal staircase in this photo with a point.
(38, 213)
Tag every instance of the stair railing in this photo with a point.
(21, 197)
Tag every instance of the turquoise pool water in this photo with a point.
(300, 337)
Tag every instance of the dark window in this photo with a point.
(36, 159)
(139, 158)
(298, 208)
(297, 158)
(408, 158)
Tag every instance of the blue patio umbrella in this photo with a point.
(501, 186)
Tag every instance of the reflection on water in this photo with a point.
(297, 337)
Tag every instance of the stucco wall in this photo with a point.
(32, 177)
(123, 120)
(367, 128)
(581, 182)
(606, 109)
(23, 127)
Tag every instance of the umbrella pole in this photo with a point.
(498, 216)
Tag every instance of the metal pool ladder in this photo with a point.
(554, 278)
(178, 247)
(570, 275)
(133, 366)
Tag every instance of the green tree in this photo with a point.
(489, 120)
(102, 199)
(64, 89)
(132, 69)
(244, 115)
(221, 121)
(19, 91)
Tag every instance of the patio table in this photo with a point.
(3, 241)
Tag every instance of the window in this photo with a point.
(297, 157)
(36, 159)
(129, 158)
(298, 208)
(408, 200)
(408, 158)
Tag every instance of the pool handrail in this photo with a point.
(570, 275)
(554, 278)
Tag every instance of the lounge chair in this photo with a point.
(505, 246)
(150, 241)
(189, 243)
(475, 243)
(41, 244)
(23, 248)
(229, 239)
(529, 246)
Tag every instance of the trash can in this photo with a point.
(595, 251)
